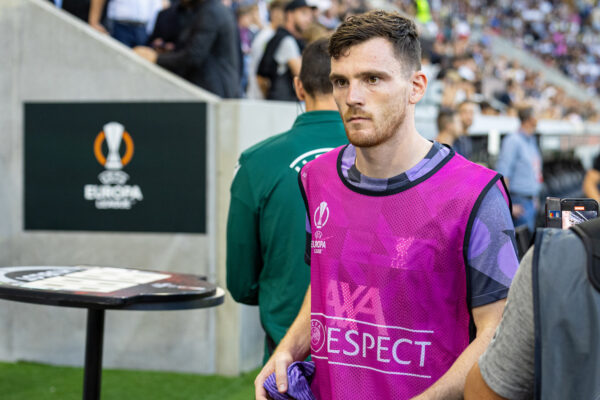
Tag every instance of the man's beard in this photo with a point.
(381, 133)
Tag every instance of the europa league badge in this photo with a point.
(113, 133)
(113, 193)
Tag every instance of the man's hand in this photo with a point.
(278, 363)
(99, 27)
(517, 210)
(295, 346)
(95, 15)
(146, 53)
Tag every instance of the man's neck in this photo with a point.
(320, 103)
(389, 159)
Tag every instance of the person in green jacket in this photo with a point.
(266, 232)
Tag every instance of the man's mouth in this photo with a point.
(357, 118)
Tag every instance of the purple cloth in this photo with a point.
(300, 375)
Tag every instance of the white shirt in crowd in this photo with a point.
(143, 11)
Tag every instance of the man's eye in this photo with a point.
(373, 79)
(341, 83)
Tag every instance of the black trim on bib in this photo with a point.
(535, 286)
(308, 235)
(303, 192)
(467, 239)
(507, 193)
(389, 192)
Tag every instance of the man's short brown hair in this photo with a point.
(400, 31)
(316, 65)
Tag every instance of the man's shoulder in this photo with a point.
(326, 159)
(288, 44)
(277, 150)
(514, 138)
(265, 147)
(473, 166)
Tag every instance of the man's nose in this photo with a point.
(354, 94)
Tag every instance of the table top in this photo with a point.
(107, 288)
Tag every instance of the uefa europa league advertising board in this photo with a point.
(137, 167)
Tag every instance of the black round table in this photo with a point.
(105, 288)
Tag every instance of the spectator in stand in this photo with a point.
(487, 109)
(128, 21)
(257, 49)
(591, 182)
(282, 58)
(520, 162)
(448, 126)
(248, 20)
(315, 32)
(166, 29)
(463, 144)
(206, 50)
(79, 8)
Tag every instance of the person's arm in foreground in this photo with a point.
(295, 346)
(590, 184)
(451, 384)
(476, 388)
(506, 369)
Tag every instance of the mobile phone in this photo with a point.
(564, 213)
(576, 211)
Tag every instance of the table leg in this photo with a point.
(92, 377)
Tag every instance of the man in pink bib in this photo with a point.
(411, 246)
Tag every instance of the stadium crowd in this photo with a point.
(456, 45)
(537, 28)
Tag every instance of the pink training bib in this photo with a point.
(389, 310)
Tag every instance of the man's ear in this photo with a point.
(300, 93)
(418, 87)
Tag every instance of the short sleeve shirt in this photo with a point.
(288, 49)
(507, 366)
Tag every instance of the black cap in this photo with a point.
(295, 4)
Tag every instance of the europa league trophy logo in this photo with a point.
(114, 135)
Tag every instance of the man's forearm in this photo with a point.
(96, 7)
(295, 346)
(451, 385)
